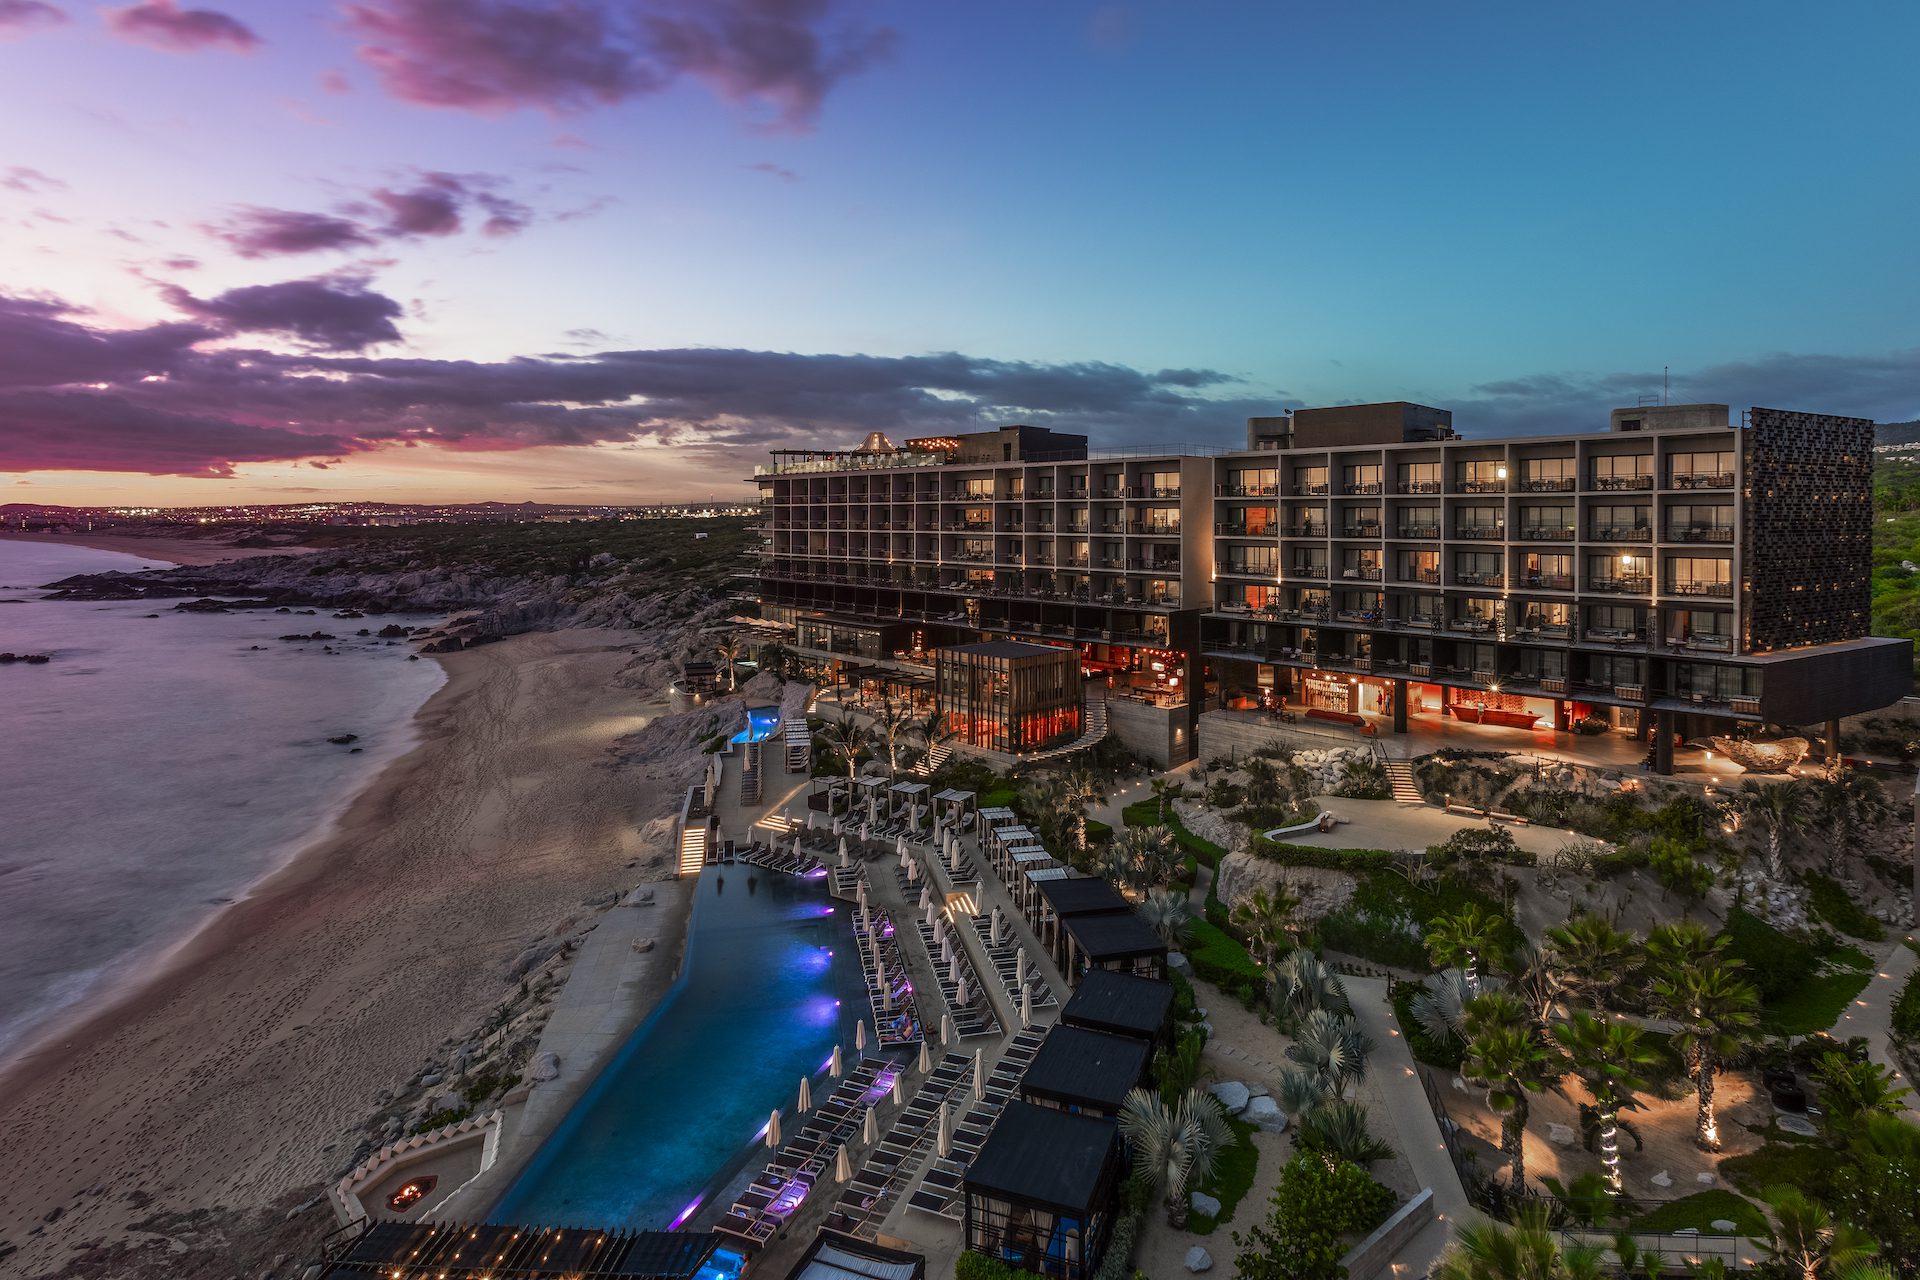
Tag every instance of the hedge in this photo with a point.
(1218, 959)
(1146, 813)
(1306, 855)
(978, 1266)
(1827, 900)
(1906, 1008)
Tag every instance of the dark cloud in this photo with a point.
(45, 343)
(331, 314)
(19, 177)
(495, 56)
(271, 233)
(162, 24)
(432, 209)
(774, 170)
(18, 16)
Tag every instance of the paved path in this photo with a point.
(1390, 824)
(1871, 1014)
(1394, 1083)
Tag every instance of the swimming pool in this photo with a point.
(761, 722)
(771, 983)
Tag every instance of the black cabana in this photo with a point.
(1084, 1071)
(1122, 1003)
(1039, 1196)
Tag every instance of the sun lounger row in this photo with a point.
(896, 1015)
(940, 1187)
(1006, 964)
(864, 1202)
(803, 1159)
(974, 1017)
(779, 858)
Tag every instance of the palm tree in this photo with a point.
(1458, 941)
(892, 724)
(1512, 1063)
(1170, 915)
(1685, 944)
(1532, 977)
(1586, 1198)
(727, 649)
(1078, 788)
(1845, 801)
(1339, 1129)
(1807, 1239)
(1165, 791)
(1528, 1250)
(1263, 782)
(932, 729)
(1608, 1057)
(1851, 1090)
(846, 737)
(1714, 1013)
(1175, 1148)
(1333, 1049)
(1440, 1007)
(1781, 809)
(1593, 957)
(1146, 856)
(1301, 984)
(1266, 917)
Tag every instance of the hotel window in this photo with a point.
(1699, 522)
(1160, 484)
(1485, 476)
(1609, 669)
(1547, 475)
(1307, 522)
(1249, 522)
(1159, 520)
(1629, 572)
(1419, 477)
(1477, 568)
(976, 488)
(1360, 522)
(1711, 682)
(1702, 469)
(1418, 522)
(1547, 524)
(1363, 565)
(1111, 485)
(1621, 524)
(1623, 471)
(1552, 617)
(1700, 576)
(1615, 622)
(1421, 567)
(1548, 572)
(1479, 522)
(1252, 483)
(1361, 477)
(1310, 481)
(1264, 561)
(1707, 629)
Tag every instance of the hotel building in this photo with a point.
(1668, 577)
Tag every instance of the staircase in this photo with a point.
(693, 849)
(939, 755)
(1096, 728)
(1405, 790)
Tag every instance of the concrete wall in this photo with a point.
(1371, 1256)
(1159, 734)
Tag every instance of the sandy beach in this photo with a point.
(157, 549)
(231, 1088)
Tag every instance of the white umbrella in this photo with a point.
(806, 1094)
(873, 808)
(897, 1099)
(926, 896)
(773, 1130)
(811, 816)
(1020, 964)
(940, 931)
(860, 1036)
(798, 850)
(869, 1128)
(866, 833)
(953, 859)
(953, 969)
(946, 1029)
(866, 925)
(1026, 1005)
(913, 870)
(900, 846)
(886, 994)
(843, 850)
(842, 1167)
(839, 825)
(993, 933)
(960, 992)
(836, 1068)
(979, 1075)
(933, 913)
(946, 949)
(926, 1059)
(943, 1133)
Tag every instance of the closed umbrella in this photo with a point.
(839, 825)
(946, 949)
(860, 1036)
(940, 931)
(943, 1133)
(897, 1099)
(926, 896)
(913, 870)
(843, 851)
(773, 1130)
(886, 994)
(836, 1068)
(933, 913)
(960, 993)
(806, 1094)
(842, 1166)
(811, 819)
(953, 969)
(926, 1059)
(873, 808)
(946, 1029)
(866, 925)
(900, 847)
(993, 931)
(1026, 1005)
(953, 858)
(1020, 964)
(979, 1075)
(869, 1128)
(866, 833)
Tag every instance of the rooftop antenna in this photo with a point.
(1665, 383)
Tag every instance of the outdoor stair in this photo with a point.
(1400, 775)
(693, 849)
(1096, 729)
(936, 757)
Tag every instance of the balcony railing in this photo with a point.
(1358, 488)
(1480, 579)
(1550, 581)
(1548, 533)
(1615, 484)
(1700, 533)
(1746, 706)
(1557, 484)
(1306, 531)
(1703, 480)
(1243, 569)
(1307, 571)
(1241, 531)
(1481, 532)
(1367, 530)
(1622, 533)
(1553, 684)
(1153, 491)
(1703, 643)
(1361, 573)
(1483, 486)
(1472, 626)
(1155, 527)
(1628, 585)
(1431, 577)
(1699, 587)
(1311, 490)
(1418, 486)
(1418, 531)
(1246, 490)
(1630, 692)
(1617, 635)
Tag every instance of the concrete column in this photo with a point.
(1662, 742)
(1399, 706)
(1561, 719)
(1833, 742)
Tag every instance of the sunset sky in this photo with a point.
(613, 250)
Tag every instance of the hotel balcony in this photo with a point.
(1481, 532)
(1547, 533)
(1479, 579)
(1483, 486)
(1241, 531)
(1702, 643)
(1548, 581)
(1703, 480)
(1616, 635)
(1621, 484)
(1417, 486)
(1246, 569)
(1307, 571)
(1621, 533)
(1700, 533)
(1360, 531)
(1246, 490)
(1630, 586)
(1311, 490)
(1361, 573)
(1564, 484)
(1417, 531)
(1362, 488)
(1306, 531)
(1421, 577)
(1700, 587)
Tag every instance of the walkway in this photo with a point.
(1402, 1102)
(1389, 824)
(1871, 1015)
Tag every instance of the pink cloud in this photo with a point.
(161, 24)
(20, 16)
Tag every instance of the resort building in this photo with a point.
(1671, 577)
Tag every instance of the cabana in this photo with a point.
(909, 793)
(955, 800)
(1028, 887)
(1122, 1004)
(1039, 1196)
(1061, 899)
(998, 815)
(1085, 1072)
(1122, 942)
(833, 1256)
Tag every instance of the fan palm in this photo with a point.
(1586, 1198)
(1806, 1239)
(1608, 1057)
(1714, 1013)
(1333, 1048)
(1458, 941)
(1844, 802)
(846, 738)
(1492, 1009)
(1441, 1007)
(1166, 790)
(1527, 1250)
(1078, 788)
(1781, 809)
(1175, 1148)
(930, 730)
(1265, 916)
(1512, 1063)
(1851, 1090)
(1301, 984)
(1300, 1092)
(1682, 944)
(1533, 979)
(1147, 856)
(1340, 1129)
(1593, 957)
(1170, 915)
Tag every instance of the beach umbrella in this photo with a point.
(946, 949)
(946, 1029)
(933, 913)
(845, 861)
(960, 993)
(773, 1130)
(993, 932)
(943, 1133)
(869, 1128)
(811, 816)
(953, 969)
(860, 1035)
(926, 896)
(897, 1099)
(861, 893)
(886, 996)
(900, 847)
(1020, 963)
(866, 833)
(1026, 1005)
(843, 850)
(806, 1094)
(979, 1075)
(836, 1068)
(842, 1167)
(839, 826)
(953, 859)
(926, 1059)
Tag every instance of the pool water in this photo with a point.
(761, 722)
(770, 984)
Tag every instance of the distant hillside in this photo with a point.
(1887, 433)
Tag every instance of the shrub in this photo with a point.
(1146, 813)
(1306, 855)
(1479, 844)
(1677, 870)
(1318, 1203)
(1699, 1211)
(1424, 1048)
(1387, 917)
(1218, 959)
(1906, 1008)
(1592, 726)
(1828, 900)
(1098, 832)
(978, 1266)
(1232, 1178)
(1363, 779)
(1807, 1165)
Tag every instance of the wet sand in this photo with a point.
(161, 550)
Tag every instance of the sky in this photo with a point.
(615, 250)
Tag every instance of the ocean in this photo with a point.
(157, 767)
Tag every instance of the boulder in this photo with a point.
(1205, 1204)
(1797, 1125)
(1560, 1135)
(1724, 1227)
(1176, 961)
(643, 945)
(1705, 1179)
(545, 1066)
(1233, 1095)
(1258, 1090)
(1265, 1114)
(641, 897)
(1198, 1260)
(1662, 1179)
